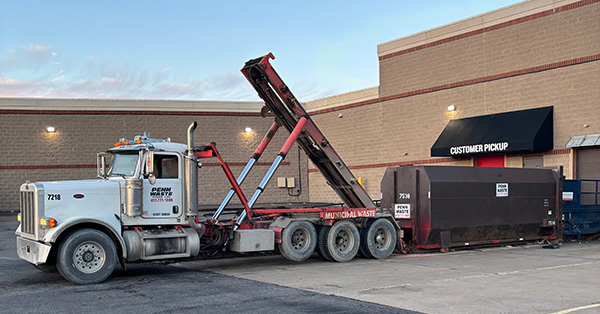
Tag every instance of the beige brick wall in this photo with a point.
(560, 160)
(563, 36)
(402, 130)
(79, 137)
(412, 124)
(514, 161)
(359, 128)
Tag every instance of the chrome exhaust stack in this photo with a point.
(191, 181)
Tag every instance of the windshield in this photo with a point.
(123, 165)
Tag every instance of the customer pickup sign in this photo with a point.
(479, 148)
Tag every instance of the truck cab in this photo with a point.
(133, 212)
(151, 173)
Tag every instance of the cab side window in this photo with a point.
(166, 166)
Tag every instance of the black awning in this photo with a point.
(524, 131)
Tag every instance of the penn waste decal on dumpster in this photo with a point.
(501, 189)
(402, 211)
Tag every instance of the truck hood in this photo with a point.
(80, 196)
(71, 202)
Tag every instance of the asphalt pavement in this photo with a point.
(154, 288)
(509, 279)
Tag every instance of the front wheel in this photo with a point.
(86, 256)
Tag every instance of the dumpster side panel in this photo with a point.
(473, 205)
(404, 193)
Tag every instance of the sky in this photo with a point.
(194, 50)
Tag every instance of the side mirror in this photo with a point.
(101, 165)
(149, 164)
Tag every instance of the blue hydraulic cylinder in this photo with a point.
(239, 180)
(260, 189)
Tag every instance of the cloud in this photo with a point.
(13, 88)
(307, 91)
(36, 71)
(31, 58)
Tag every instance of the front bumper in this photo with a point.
(32, 251)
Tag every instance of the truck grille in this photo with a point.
(28, 212)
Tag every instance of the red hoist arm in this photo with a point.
(280, 101)
(210, 150)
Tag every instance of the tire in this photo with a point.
(322, 245)
(378, 239)
(298, 241)
(86, 256)
(342, 241)
(317, 249)
(362, 248)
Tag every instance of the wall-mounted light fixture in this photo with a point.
(248, 130)
(451, 108)
(50, 129)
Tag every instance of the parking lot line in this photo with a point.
(591, 306)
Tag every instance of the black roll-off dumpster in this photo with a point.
(444, 206)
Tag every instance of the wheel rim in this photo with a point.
(344, 241)
(382, 238)
(89, 257)
(300, 238)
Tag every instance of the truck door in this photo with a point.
(163, 199)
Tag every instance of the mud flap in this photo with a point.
(445, 240)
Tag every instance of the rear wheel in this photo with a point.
(378, 238)
(342, 241)
(87, 256)
(298, 241)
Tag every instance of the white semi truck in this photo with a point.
(144, 206)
